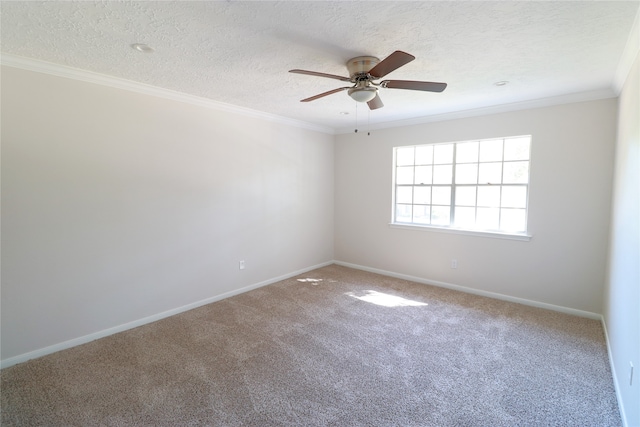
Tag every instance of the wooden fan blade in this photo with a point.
(414, 85)
(375, 103)
(315, 73)
(392, 62)
(313, 98)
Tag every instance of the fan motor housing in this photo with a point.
(361, 65)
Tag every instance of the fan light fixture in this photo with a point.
(363, 94)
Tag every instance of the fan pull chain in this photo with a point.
(368, 121)
(356, 131)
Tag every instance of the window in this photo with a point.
(471, 185)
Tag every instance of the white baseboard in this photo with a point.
(149, 319)
(616, 384)
(467, 290)
(140, 322)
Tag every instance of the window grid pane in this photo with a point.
(422, 195)
(476, 185)
(422, 214)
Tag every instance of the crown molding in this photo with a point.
(495, 109)
(30, 64)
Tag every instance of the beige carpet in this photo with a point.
(334, 347)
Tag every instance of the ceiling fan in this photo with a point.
(363, 70)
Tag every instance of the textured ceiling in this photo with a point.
(239, 53)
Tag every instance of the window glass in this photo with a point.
(404, 195)
(465, 217)
(421, 214)
(442, 153)
(441, 195)
(404, 156)
(467, 152)
(489, 196)
(404, 175)
(475, 185)
(403, 213)
(516, 173)
(440, 215)
(490, 173)
(514, 196)
(424, 155)
(512, 219)
(465, 196)
(442, 174)
(424, 174)
(517, 148)
(467, 173)
(422, 195)
(488, 218)
(491, 150)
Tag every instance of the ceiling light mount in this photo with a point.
(141, 47)
(359, 67)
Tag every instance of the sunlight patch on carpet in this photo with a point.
(386, 300)
(311, 281)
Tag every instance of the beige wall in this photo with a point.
(622, 296)
(118, 206)
(564, 264)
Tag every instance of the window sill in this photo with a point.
(490, 234)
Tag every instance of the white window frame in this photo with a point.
(451, 227)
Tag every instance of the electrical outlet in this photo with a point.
(241, 265)
(454, 263)
(631, 373)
